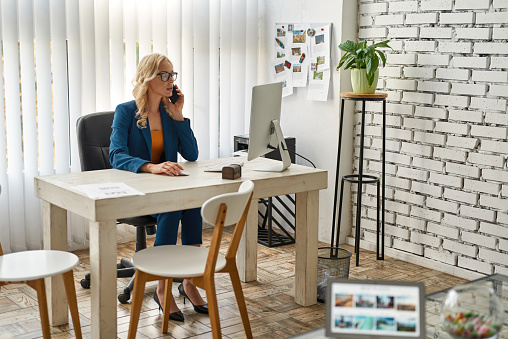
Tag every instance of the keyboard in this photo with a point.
(218, 167)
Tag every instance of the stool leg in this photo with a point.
(137, 300)
(360, 186)
(337, 222)
(383, 187)
(378, 225)
(39, 286)
(340, 211)
(70, 290)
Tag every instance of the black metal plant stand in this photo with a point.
(361, 178)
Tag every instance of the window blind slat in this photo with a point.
(225, 78)
(43, 77)
(102, 69)
(13, 124)
(159, 29)
(29, 118)
(116, 55)
(201, 26)
(60, 104)
(214, 77)
(78, 227)
(130, 29)
(174, 34)
(5, 232)
(88, 82)
(187, 82)
(251, 57)
(144, 10)
(238, 62)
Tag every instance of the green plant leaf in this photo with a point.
(382, 44)
(361, 56)
(348, 46)
(382, 56)
(350, 63)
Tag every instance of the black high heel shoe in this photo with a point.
(199, 308)
(177, 316)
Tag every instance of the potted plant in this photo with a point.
(363, 61)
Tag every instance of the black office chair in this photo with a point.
(94, 131)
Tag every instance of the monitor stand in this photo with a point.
(284, 154)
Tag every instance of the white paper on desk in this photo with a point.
(318, 85)
(108, 190)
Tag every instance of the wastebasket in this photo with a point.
(333, 262)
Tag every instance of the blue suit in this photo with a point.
(131, 147)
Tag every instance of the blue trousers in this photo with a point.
(167, 227)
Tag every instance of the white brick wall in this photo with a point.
(472, 4)
(472, 33)
(436, 5)
(447, 85)
(469, 62)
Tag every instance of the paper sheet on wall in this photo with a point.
(319, 83)
(108, 190)
(320, 46)
(282, 71)
(300, 65)
(301, 52)
(280, 41)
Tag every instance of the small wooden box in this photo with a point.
(231, 172)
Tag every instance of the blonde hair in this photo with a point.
(147, 70)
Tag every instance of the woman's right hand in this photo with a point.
(168, 167)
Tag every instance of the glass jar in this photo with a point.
(472, 312)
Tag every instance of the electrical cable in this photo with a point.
(301, 156)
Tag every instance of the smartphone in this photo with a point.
(174, 97)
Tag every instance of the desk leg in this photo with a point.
(307, 222)
(103, 278)
(247, 260)
(54, 223)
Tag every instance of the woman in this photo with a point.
(148, 132)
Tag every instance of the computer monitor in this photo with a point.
(370, 309)
(265, 133)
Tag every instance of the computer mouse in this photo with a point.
(183, 173)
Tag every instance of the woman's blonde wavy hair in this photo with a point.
(147, 71)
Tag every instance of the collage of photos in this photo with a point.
(376, 313)
(301, 58)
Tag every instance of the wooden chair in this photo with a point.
(198, 264)
(31, 267)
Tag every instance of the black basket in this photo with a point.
(335, 261)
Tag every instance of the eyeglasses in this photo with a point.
(166, 75)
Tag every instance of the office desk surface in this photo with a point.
(162, 194)
(193, 190)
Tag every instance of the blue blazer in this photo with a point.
(131, 147)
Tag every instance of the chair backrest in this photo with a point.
(94, 131)
(227, 209)
(234, 201)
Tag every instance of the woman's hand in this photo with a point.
(176, 108)
(168, 167)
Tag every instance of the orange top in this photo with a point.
(157, 146)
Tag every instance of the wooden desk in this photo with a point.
(163, 194)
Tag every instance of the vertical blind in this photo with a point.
(63, 58)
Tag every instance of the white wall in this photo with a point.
(314, 124)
